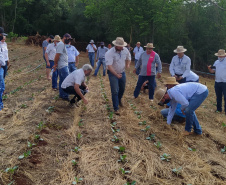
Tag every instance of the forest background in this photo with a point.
(200, 26)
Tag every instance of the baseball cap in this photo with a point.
(2, 31)
(67, 35)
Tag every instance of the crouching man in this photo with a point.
(190, 95)
(74, 84)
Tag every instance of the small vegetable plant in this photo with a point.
(115, 130)
(123, 171)
(138, 112)
(177, 171)
(23, 106)
(223, 150)
(80, 123)
(74, 163)
(111, 115)
(223, 125)
(41, 125)
(192, 149)
(158, 144)
(29, 144)
(132, 183)
(25, 155)
(37, 137)
(11, 170)
(50, 109)
(113, 124)
(79, 136)
(146, 128)
(151, 137)
(122, 159)
(76, 149)
(116, 139)
(165, 157)
(121, 149)
(142, 123)
(77, 180)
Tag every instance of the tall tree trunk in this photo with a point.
(14, 21)
(131, 33)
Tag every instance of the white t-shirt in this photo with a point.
(220, 71)
(76, 77)
(90, 48)
(192, 77)
(51, 51)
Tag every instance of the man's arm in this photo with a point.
(56, 59)
(76, 61)
(171, 68)
(210, 70)
(77, 90)
(47, 59)
(128, 63)
(159, 63)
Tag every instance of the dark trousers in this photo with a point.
(183, 80)
(5, 68)
(220, 89)
(71, 90)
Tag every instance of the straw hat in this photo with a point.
(170, 81)
(220, 53)
(138, 42)
(91, 42)
(149, 45)
(180, 49)
(57, 38)
(119, 42)
(159, 94)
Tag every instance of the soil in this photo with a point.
(50, 162)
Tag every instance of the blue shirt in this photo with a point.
(138, 52)
(192, 77)
(101, 52)
(72, 53)
(178, 110)
(182, 93)
(220, 71)
(90, 48)
(180, 66)
(44, 44)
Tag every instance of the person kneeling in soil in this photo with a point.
(190, 95)
(74, 84)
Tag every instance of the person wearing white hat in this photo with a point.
(180, 65)
(219, 68)
(91, 48)
(117, 59)
(137, 52)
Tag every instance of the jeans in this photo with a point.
(63, 73)
(2, 86)
(117, 88)
(151, 85)
(5, 68)
(91, 58)
(220, 88)
(54, 75)
(177, 118)
(191, 119)
(100, 61)
(138, 69)
(71, 67)
(71, 90)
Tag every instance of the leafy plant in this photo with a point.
(29, 144)
(151, 137)
(158, 144)
(138, 112)
(123, 171)
(165, 157)
(223, 150)
(116, 139)
(132, 183)
(115, 130)
(142, 123)
(50, 109)
(40, 125)
(4, 97)
(79, 136)
(146, 128)
(77, 180)
(111, 115)
(177, 171)
(80, 123)
(120, 149)
(76, 149)
(223, 124)
(37, 137)
(113, 124)
(74, 163)
(25, 155)
(11, 170)
(139, 116)
(192, 149)
(122, 159)
(23, 106)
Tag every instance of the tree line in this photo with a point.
(198, 25)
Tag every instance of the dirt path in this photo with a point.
(34, 111)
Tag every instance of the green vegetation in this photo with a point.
(25, 155)
(77, 180)
(151, 137)
(165, 157)
(121, 149)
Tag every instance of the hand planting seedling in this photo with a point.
(79, 136)
(158, 145)
(50, 109)
(192, 149)
(25, 155)
(132, 183)
(142, 123)
(76, 149)
(223, 150)
(40, 126)
(122, 159)
(77, 180)
(116, 140)
(177, 171)
(121, 149)
(165, 157)
(29, 144)
(146, 128)
(123, 171)
(74, 163)
(151, 137)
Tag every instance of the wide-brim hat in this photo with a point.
(149, 45)
(57, 38)
(91, 41)
(119, 42)
(138, 43)
(220, 53)
(159, 94)
(2, 31)
(170, 81)
(180, 49)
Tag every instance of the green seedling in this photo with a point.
(11, 170)
(76, 149)
(74, 163)
(116, 140)
(41, 125)
(56, 97)
(165, 157)
(115, 130)
(113, 124)
(50, 109)
(146, 128)
(132, 183)
(122, 159)
(142, 123)
(79, 136)
(120, 149)
(223, 124)
(23, 106)
(2, 129)
(4, 97)
(37, 137)
(192, 149)
(108, 107)
(139, 116)
(80, 123)
(25, 155)
(177, 171)
(77, 180)
(223, 150)
(111, 115)
(151, 137)
(138, 112)
(158, 145)
(123, 171)
(29, 144)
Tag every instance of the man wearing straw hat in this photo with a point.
(180, 65)
(190, 95)
(137, 52)
(117, 59)
(219, 68)
(148, 61)
(91, 48)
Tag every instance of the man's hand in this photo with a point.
(119, 76)
(182, 110)
(159, 75)
(8, 63)
(85, 101)
(134, 71)
(87, 88)
(54, 68)
(48, 64)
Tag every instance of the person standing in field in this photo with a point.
(147, 62)
(137, 52)
(44, 46)
(73, 57)
(219, 68)
(100, 59)
(6, 54)
(180, 65)
(91, 48)
(117, 59)
(50, 55)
